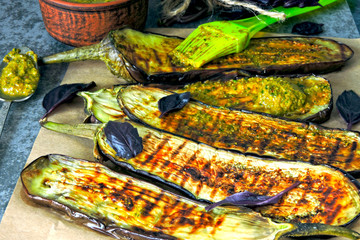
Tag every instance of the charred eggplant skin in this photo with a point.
(119, 205)
(264, 56)
(246, 132)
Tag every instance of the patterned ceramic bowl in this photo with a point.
(81, 24)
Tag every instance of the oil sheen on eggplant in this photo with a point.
(325, 195)
(245, 131)
(125, 207)
(143, 57)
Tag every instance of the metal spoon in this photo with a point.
(7, 99)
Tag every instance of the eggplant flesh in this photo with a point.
(102, 105)
(245, 131)
(124, 207)
(149, 54)
(325, 195)
(144, 57)
(119, 205)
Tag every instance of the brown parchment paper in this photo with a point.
(26, 220)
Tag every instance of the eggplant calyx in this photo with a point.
(91, 52)
(81, 130)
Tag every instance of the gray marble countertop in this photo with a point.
(21, 24)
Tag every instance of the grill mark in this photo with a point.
(312, 159)
(141, 161)
(167, 210)
(156, 151)
(178, 150)
(331, 215)
(263, 145)
(183, 213)
(166, 215)
(191, 171)
(138, 57)
(350, 158)
(119, 195)
(164, 166)
(301, 144)
(327, 216)
(219, 221)
(146, 137)
(158, 59)
(151, 205)
(332, 157)
(203, 219)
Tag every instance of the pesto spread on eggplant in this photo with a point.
(274, 95)
(20, 77)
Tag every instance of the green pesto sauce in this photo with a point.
(20, 77)
(274, 95)
(89, 1)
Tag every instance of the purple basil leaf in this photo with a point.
(348, 104)
(308, 28)
(124, 139)
(63, 93)
(173, 102)
(251, 199)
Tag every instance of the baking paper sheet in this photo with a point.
(26, 220)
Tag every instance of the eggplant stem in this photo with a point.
(91, 52)
(79, 130)
(316, 229)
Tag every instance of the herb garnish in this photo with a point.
(172, 102)
(63, 93)
(247, 198)
(348, 104)
(124, 139)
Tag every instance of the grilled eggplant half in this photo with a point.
(144, 57)
(299, 97)
(122, 206)
(245, 131)
(325, 195)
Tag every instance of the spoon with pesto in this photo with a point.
(18, 80)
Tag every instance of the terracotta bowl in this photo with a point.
(79, 24)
